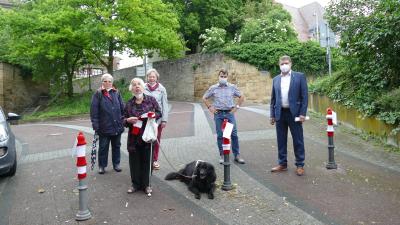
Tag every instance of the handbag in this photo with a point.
(150, 131)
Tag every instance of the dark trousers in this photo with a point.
(140, 166)
(296, 129)
(104, 145)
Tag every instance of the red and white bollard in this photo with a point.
(226, 147)
(80, 150)
(330, 132)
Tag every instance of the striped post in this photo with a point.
(226, 142)
(330, 133)
(83, 213)
(226, 147)
(81, 156)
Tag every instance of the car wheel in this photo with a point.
(13, 169)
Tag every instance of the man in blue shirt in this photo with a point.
(224, 107)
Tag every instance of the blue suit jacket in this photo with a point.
(298, 96)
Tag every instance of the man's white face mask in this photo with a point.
(285, 68)
(223, 80)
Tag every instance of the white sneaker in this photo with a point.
(221, 160)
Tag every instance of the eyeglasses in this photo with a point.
(107, 81)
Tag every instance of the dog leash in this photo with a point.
(170, 164)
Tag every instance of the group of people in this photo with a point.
(109, 116)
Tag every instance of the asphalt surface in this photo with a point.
(365, 189)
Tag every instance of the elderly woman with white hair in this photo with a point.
(139, 151)
(154, 88)
(106, 114)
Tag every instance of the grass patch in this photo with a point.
(78, 105)
(63, 107)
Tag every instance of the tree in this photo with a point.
(136, 25)
(43, 36)
(213, 40)
(195, 16)
(265, 21)
(52, 36)
(369, 32)
(266, 30)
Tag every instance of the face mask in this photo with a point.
(139, 96)
(223, 80)
(285, 68)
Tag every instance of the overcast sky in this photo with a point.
(299, 3)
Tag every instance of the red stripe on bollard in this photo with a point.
(224, 124)
(81, 139)
(81, 161)
(81, 158)
(81, 176)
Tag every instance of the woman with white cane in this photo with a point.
(140, 110)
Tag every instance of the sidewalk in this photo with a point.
(365, 189)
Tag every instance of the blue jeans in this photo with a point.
(219, 118)
(296, 129)
(104, 145)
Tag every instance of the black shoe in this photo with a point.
(101, 170)
(117, 168)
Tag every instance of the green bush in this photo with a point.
(307, 57)
(351, 90)
(389, 106)
(213, 40)
(262, 30)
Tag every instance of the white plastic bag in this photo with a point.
(150, 131)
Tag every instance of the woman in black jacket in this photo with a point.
(137, 109)
(106, 114)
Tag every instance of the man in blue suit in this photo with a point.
(289, 99)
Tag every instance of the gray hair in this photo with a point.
(141, 82)
(107, 76)
(153, 71)
(284, 58)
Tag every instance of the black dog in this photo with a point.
(199, 176)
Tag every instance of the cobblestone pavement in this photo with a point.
(365, 189)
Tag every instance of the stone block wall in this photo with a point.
(82, 85)
(255, 85)
(188, 78)
(17, 92)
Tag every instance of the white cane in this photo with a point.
(151, 164)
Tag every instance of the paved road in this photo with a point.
(365, 189)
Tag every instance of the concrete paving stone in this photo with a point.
(108, 198)
(348, 195)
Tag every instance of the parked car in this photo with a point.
(8, 153)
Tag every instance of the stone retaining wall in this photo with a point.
(17, 92)
(188, 78)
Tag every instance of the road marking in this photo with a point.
(43, 156)
(177, 112)
(259, 111)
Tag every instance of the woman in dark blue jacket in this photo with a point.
(106, 114)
